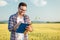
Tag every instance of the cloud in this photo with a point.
(43, 2)
(3, 3)
(16, 0)
(39, 2)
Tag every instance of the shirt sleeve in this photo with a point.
(27, 19)
(10, 24)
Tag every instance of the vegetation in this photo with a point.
(41, 31)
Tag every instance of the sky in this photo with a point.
(38, 10)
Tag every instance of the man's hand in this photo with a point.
(29, 28)
(16, 26)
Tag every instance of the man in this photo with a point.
(16, 19)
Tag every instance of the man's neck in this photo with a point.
(19, 15)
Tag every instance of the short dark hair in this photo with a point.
(22, 4)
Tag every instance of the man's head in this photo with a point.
(22, 7)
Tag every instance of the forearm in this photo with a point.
(16, 26)
(26, 31)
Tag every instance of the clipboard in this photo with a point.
(22, 27)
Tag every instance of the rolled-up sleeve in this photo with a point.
(10, 23)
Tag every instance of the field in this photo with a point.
(41, 31)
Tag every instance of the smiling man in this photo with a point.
(16, 19)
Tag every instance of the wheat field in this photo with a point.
(43, 31)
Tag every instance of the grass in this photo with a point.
(42, 31)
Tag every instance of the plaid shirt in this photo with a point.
(12, 22)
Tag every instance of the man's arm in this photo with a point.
(16, 26)
(12, 27)
(29, 28)
(10, 24)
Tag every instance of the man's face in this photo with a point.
(22, 10)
